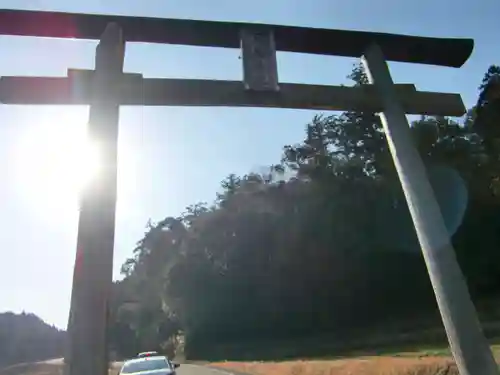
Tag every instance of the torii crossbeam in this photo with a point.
(106, 88)
(414, 49)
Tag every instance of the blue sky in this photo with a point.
(172, 157)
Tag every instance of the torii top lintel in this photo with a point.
(404, 48)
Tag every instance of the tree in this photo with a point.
(487, 109)
(331, 249)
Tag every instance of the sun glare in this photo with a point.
(55, 160)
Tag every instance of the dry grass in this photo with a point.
(429, 362)
(353, 366)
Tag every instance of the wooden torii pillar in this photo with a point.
(107, 87)
(92, 278)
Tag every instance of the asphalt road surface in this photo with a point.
(188, 369)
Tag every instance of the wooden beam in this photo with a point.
(195, 92)
(450, 52)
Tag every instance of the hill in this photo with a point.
(27, 338)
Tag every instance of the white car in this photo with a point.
(149, 365)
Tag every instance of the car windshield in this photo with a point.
(146, 365)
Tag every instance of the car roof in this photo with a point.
(151, 353)
(134, 360)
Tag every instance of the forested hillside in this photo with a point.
(323, 244)
(27, 338)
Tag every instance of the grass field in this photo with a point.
(435, 361)
(351, 366)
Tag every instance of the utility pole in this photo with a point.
(93, 270)
(467, 342)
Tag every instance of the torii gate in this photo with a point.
(107, 87)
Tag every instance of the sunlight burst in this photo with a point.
(55, 161)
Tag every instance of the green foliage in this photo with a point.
(329, 250)
(488, 105)
(486, 122)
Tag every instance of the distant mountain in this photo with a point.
(27, 338)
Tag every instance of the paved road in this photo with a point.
(188, 369)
